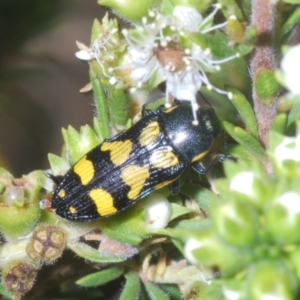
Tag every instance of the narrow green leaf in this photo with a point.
(132, 288)
(172, 290)
(100, 278)
(91, 254)
(245, 110)
(279, 124)
(118, 107)
(292, 1)
(291, 21)
(294, 115)
(179, 210)
(96, 30)
(57, 163)
(245, 139)
(229, 8)
(154, 292)
(101, 105)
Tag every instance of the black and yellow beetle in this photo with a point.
(127, 167)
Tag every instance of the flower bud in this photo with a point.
(207, 250)
(235, 222)
(19, 205)
(158, 211)
(283, 218)
(271, 279)
(18, 277)
(46, 244)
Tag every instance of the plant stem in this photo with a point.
(263, 19)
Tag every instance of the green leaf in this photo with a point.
(292, 1)
(172, 290)
(166, 7)
(128, 227)
(245, 110)
(193, 224)
(96, 30)
(291, 21)
(101, 105)
(91, 254)
(100, 278)
(154, 292)
(57, 163)
(203, 196)
(245, 139)
(279, 124)
(118, 107)
(266, 86)
(293, 116)
(179, 210)
(5, 292)
(231, 7)
(132, 288)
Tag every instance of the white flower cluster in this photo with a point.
(155, 55)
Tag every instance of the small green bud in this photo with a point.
(271, 279)
(283, 218)
(206, 249)
(235, 30)
(19, 204)
(235, 222)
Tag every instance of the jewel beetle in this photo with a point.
(151, 154)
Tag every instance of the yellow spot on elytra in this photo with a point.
(199, 156)
(72, 210)
(135, 177)
(104, 202)
(170, 109)
(149, 134)
(163, 159)
(85, 170)
(62, 193)
(119, 151)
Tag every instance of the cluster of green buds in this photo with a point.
(250, 244)
(26, 244)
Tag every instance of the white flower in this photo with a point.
(290, 66)
(97, 51)
(291, 202)
(157, 57)
(158, 211)
(242, 183)
(188, 18)
(288, 149)
(189, 247)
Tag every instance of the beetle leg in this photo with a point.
(201, 169)
(174, 187)
(146, 112)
